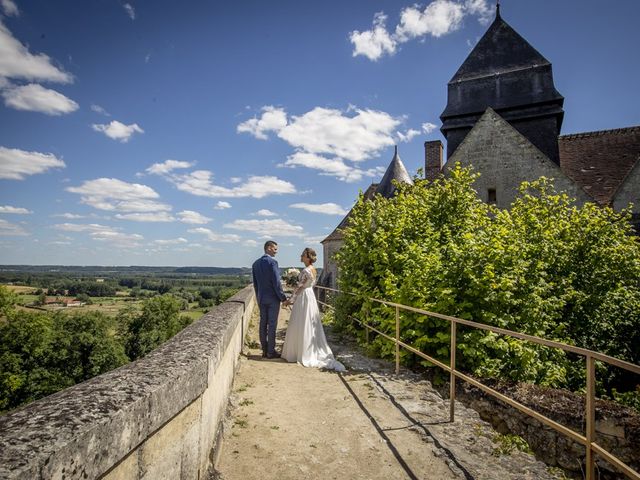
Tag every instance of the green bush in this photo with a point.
(545, 267)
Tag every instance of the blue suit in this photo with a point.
(269, 294)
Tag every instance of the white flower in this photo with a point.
(290, 277)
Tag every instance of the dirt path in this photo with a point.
(290, 422)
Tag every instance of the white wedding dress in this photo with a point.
(305, 341)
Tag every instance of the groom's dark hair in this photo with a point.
(268, 243)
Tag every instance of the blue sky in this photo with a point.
(186, 133)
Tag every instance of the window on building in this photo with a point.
(491, 196)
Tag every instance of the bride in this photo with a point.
(305, 341)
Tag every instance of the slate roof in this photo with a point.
(395, 171)
(599, 162)
(501, 49)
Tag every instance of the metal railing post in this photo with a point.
(397, 341)
(588, 439)
(452, 378)
(590, 416)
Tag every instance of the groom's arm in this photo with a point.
(277, 285)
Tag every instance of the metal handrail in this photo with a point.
(587, 440)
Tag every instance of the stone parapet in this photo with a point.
(156, 418)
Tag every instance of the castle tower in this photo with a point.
(506, 73)
(332, 243)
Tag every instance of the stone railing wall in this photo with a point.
(157, 418)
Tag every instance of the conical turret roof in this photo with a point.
(395, 171)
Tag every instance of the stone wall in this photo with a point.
(156, 418)
(505, 158)
(330, 268)
(617, 428)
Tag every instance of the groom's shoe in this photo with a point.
(264, 354)
(274, 355)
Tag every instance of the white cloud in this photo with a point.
(78, 227)
(265, 213)
(174, 241)
(480, 8)
(250, 243)
(112, 194)
(152, 217)
(272, 119)
(167, 166)
(222, 205)
(117, 130)
(199, 183)
(9, 8)
(189, 216)
(325, 139)
(70, 216)
(15, 210)
(276, 226)
(118, 239)
(438, 18)
(103, 233)
(428, 127)
(216, 237)
(17, 62)
(326, 208)
(130, 10)
(314, 240)
(36, 98)
(100, 110)
(375, 42)
(8, 229)
(355, 137)
(408, 135)
(335, 167)
(16, 164)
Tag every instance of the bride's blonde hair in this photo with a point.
(310, 254)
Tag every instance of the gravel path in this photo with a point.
(290, 422)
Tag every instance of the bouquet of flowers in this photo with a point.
(290, 277)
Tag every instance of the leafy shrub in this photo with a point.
(545, 267)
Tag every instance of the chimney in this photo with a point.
(432, 159)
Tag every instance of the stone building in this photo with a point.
(504, 116)
(332, 243)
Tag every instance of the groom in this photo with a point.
(269, 294)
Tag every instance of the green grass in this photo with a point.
(241, 423)
(194, 314)
(507, 444)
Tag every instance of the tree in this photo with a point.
(158, 321)
(42, 353)
(8, 301)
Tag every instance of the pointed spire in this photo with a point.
(497, 9)
(395, 171)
